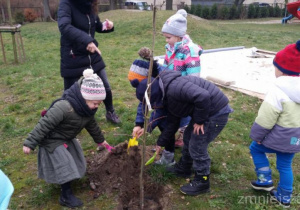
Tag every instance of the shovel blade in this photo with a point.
(132, 142)
(151, 160)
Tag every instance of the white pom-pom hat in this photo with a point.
(92, 87)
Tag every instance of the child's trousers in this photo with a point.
(195, 146)
(283, 163)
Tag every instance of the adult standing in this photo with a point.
(78, 21)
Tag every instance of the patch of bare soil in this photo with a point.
(118, 173)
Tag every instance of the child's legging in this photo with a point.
(283, 163)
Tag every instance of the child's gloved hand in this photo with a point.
(103, 145)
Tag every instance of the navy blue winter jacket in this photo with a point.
(77, 30)
(182, 97)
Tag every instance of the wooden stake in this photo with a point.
(2, 46)
(14, 46)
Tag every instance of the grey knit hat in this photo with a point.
(176, 24)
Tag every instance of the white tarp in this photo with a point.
(249, 70)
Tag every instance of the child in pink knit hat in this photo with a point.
(60, 156)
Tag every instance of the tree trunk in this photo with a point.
(113, 4)
(47, 14)
(121, 5)
(9, 12)
(169, 4)
(238, 2)
(3, 14)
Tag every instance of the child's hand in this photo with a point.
(157, 149)
(137, 131)
(198, 128)
(26, 150)
(105, 145)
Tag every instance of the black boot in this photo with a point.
(112, 117)
(67, 198)
(181, 169)
(199, 185)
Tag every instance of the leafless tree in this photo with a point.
(112, 4)
(238, 2)
(47, 14)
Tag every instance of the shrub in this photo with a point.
(30, 15)
(277, 11)
(233, 12)
(19, 18)
(242, 12)
(54, 13)
(193, 9)
(205, 13)
(224, 14)
(257, 12)
(198, 10)
(214, 11)
(271, 11)
(264, 12)
(251, 11)
(186, 8)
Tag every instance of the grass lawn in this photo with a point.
(29, 87)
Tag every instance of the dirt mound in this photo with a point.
(118, 173)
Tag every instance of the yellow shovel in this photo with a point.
(132, 142)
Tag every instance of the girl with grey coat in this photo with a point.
(60, 157)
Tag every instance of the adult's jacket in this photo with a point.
(182, 97)
(60, 125)
(77, 30)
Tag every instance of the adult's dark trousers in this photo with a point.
(68, 82)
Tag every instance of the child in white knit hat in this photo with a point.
(60, 157)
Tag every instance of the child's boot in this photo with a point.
(199, 185)
(167, 158)
(282, 196)
(181, 169)
(264, 180)
(67, 198)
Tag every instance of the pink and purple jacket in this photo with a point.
(184, 57)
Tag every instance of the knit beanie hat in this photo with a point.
(288, 59)
(176, 24)
(92, 87)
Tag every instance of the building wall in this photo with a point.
(280, 3)
(211, 2)
(160, 5)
